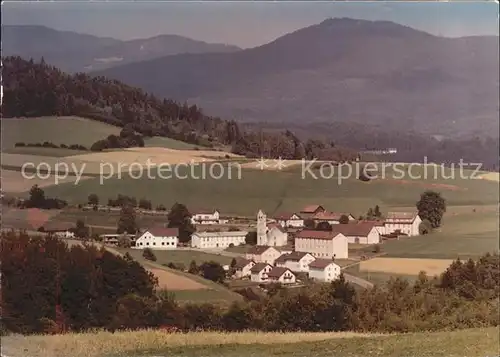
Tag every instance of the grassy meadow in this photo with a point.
(180, 256)
(471, 343)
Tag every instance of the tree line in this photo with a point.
(50, 287)
(33, 89)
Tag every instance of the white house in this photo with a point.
(272, 234)
(207, 217)
(295, 261)
(259, 272)
(360, 233)
(404, 222)
(324, 270)
(263, 254)
(158, 238)
(243, 267)
(322, 244)
(281, 275)
(331, 217)
(209, 240)
(286, 219)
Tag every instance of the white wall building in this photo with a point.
(295, 261)
(272, 234)
(259, 272)
(360, 233)
(281, 275)
(405, 222)
(324, 270)
(158, 238)
(243, 267)
(210, 240)
(263, 254)
(207, 217)
(322, 244)
(291, 220)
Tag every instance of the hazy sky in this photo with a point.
(243, 23)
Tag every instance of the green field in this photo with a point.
(470, 343)
(47, 152)
(180, 256)
(66, 130)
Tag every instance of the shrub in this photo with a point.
(148, 254)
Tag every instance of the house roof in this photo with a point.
(293, 256)
(241, 262)
(258, 249)
(320, 263)
(311, 234)
(277, 226)
(330, 215)
(361, 229)
(204, 211)
(276, 272)
(221, 234)
(281, 258)
(285, 215)
(401, 217)
(163, 232)
(58, 226)
(257, 268)
(311, 209)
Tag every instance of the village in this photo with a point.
(288, 246)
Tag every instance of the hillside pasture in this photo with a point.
(180, 256)
(14, 182)
(472, 343)
(405, 266)
(58, 130)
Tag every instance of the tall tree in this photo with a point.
(127, 222)
(179, 217)
(431, 207)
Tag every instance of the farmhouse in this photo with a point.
(287, 219)
(331, 217)
(295, 261)
(281, 275)
(158, 238)
(403, 222)
(59, 229)
(263, 254)
(322, 244)
(324, 270)
(360, 233)
(243, 267)
(310, 211)
(207, 217)
(207, 240)
(259, 272)
(272, 234)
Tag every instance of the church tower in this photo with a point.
(261, 228)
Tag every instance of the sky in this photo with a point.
(245, 24)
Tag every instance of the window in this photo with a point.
(163, 243)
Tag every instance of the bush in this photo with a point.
(19, 144)
(231, 245)
(377, 248)
(425, 227)
(148, 254)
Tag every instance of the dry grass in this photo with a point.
(174, 282)
(13, 181)
(156, 156)
(491, 176)
(94, 344)
(405, 266)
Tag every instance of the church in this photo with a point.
(272, 235)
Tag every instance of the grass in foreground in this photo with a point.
(471, 343)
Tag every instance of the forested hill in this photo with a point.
(33, 89)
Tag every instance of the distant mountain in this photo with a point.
(74, 52)
(375, 72)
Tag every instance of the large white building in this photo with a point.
(322, 244)
(158, 238)
(295, 261)
(270, 235)
(208, 240)
(324, 270)
(404, 222)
